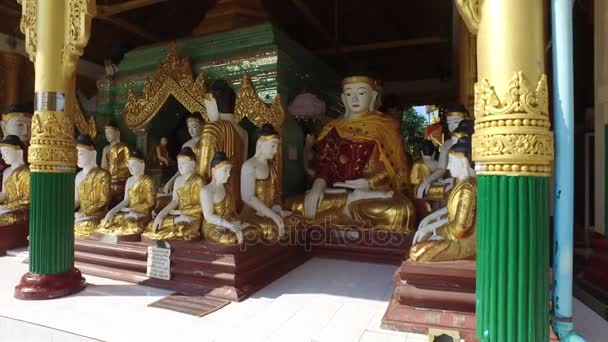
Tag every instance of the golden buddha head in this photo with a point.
(459, 160)
(220, 168)
(112, 132)
(136, 162)
(194, 122)
(12, 149)
(268, 142)
(359, 94)
(86, 153)
(18, 121)
(455, 114)
(186, 160)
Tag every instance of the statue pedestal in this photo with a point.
(359, 245)
(116, 238)
(13, 236)
(433, 298)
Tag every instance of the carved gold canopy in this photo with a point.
(173, 78)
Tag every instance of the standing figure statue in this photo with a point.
(223, 134)
(361, 152)
(162, 153)
(450, 233)
(114, 160)
(220, 218)
(195, 129)
(260, 187)
(181, 218)
(15, 195)
(132, 214)
(92, 191)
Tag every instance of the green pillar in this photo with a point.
(55, 51)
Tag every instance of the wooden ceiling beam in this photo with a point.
(313, 21)
(127, 26)
(108, 10)
(384, 45)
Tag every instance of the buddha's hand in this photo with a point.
(422, 234)
(183, 219)
(168, 188)
(312, 201)
(422, 189)
(158, 221)
(278, 220)
(277, 209)
(108, 218)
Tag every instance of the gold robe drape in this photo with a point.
(226, 209)
(142, 199)
(17, 196)
(94, 195)
(222, 136)
(460, 233)
(189, 204)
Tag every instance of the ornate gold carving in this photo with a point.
(173, 78)
(469, 10)
(78, 30)
(29, 10)
(52, 144)
(251, 106)
(84, 125)
(512, 135)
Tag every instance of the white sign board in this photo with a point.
(159, 263)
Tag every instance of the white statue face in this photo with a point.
(268, 149)
(458, 166)
(85, 157)
(136, 167)
(194, 128)
(453, 122)
(112, 134)
(221, 174)
(359, 97)
(11, 155)
(164, 141)
(19, 126)
(185, 165)
(212, 112)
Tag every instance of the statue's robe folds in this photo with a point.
(368, 146)
(142, 199)
(94, 195)
(459, 234)
(17, 196)
(216, 234)
(189, 204)
(420, 171)
(118, 166)
(222, 136)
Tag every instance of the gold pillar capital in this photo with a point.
(469, 10)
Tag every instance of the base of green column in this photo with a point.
(513, 259)
(49, 286)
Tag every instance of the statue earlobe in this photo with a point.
(346, 108)
(372, 104)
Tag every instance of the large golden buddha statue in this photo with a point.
(15, 195)
(223, 134)
(114, 159)
(260, 187)
(220, 217)
(92, 191)
(194, 124)
(181, 218)
(132, 214)
(450, 233)
(362, 153)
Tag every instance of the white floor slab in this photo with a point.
(322, 300)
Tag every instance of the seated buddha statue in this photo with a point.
(450, 233)
(220, 218)
(92, 191)
(222, 133)
(181, 218)
(362, 150)
(132, 214)
(15, 195)
(260, 187)
(18, 121)
(455, 114)
(194, 124)
(114, 160)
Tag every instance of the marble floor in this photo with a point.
(322, 300)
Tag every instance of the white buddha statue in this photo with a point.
(194, 123)
(15, 194)
(18, 121)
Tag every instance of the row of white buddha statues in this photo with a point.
(363, 177)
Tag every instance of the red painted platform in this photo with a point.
(13, 236)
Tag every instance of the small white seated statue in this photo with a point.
(15, 194)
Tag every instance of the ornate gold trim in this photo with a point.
(83, 124)
(251, 106)
(469, 11)
(512, 135)
(78, 29)
(173, 78)
(29, 12)
(52, 143)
